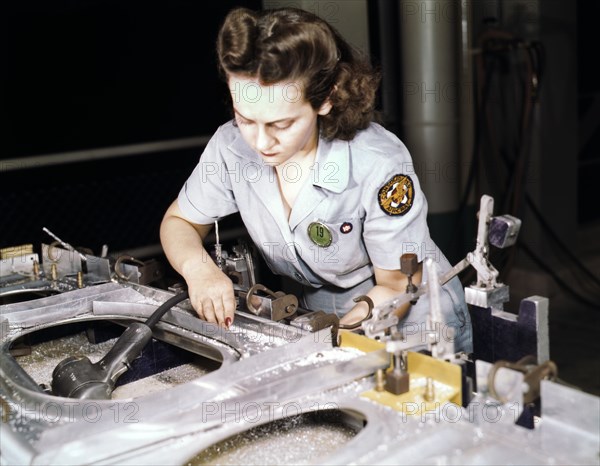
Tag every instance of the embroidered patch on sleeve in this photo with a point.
(397, 195)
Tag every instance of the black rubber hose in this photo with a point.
(164, 307)
(78, 377)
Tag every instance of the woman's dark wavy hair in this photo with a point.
(291, 44)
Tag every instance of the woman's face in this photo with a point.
(275, 119)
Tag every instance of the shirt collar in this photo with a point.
(332, 163)
(239, 147)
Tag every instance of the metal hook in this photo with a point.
(361, 298)
(118, 263)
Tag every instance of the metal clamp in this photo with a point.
(534, 374)
(281, 306)
(118, 266)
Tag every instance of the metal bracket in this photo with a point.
(276, 306)
(318, 320)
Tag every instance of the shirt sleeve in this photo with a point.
(396, 216)
(207, 194)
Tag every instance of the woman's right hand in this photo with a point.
(211, 293)
(210, 290)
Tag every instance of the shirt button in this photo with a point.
(298, 276)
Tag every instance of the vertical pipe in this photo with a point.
(389, 57)
(467, 131)
(429, 31)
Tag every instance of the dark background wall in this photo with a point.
(81, 75)
(90, 74)
(589, 112)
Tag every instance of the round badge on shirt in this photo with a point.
(346, 228)
(320, 234)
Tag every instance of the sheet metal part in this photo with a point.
(270, 371)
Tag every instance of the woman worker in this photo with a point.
(329, 197)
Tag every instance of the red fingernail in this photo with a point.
(227, 321)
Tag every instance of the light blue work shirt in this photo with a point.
(343, 193)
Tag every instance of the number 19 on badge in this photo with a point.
(320, 234)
